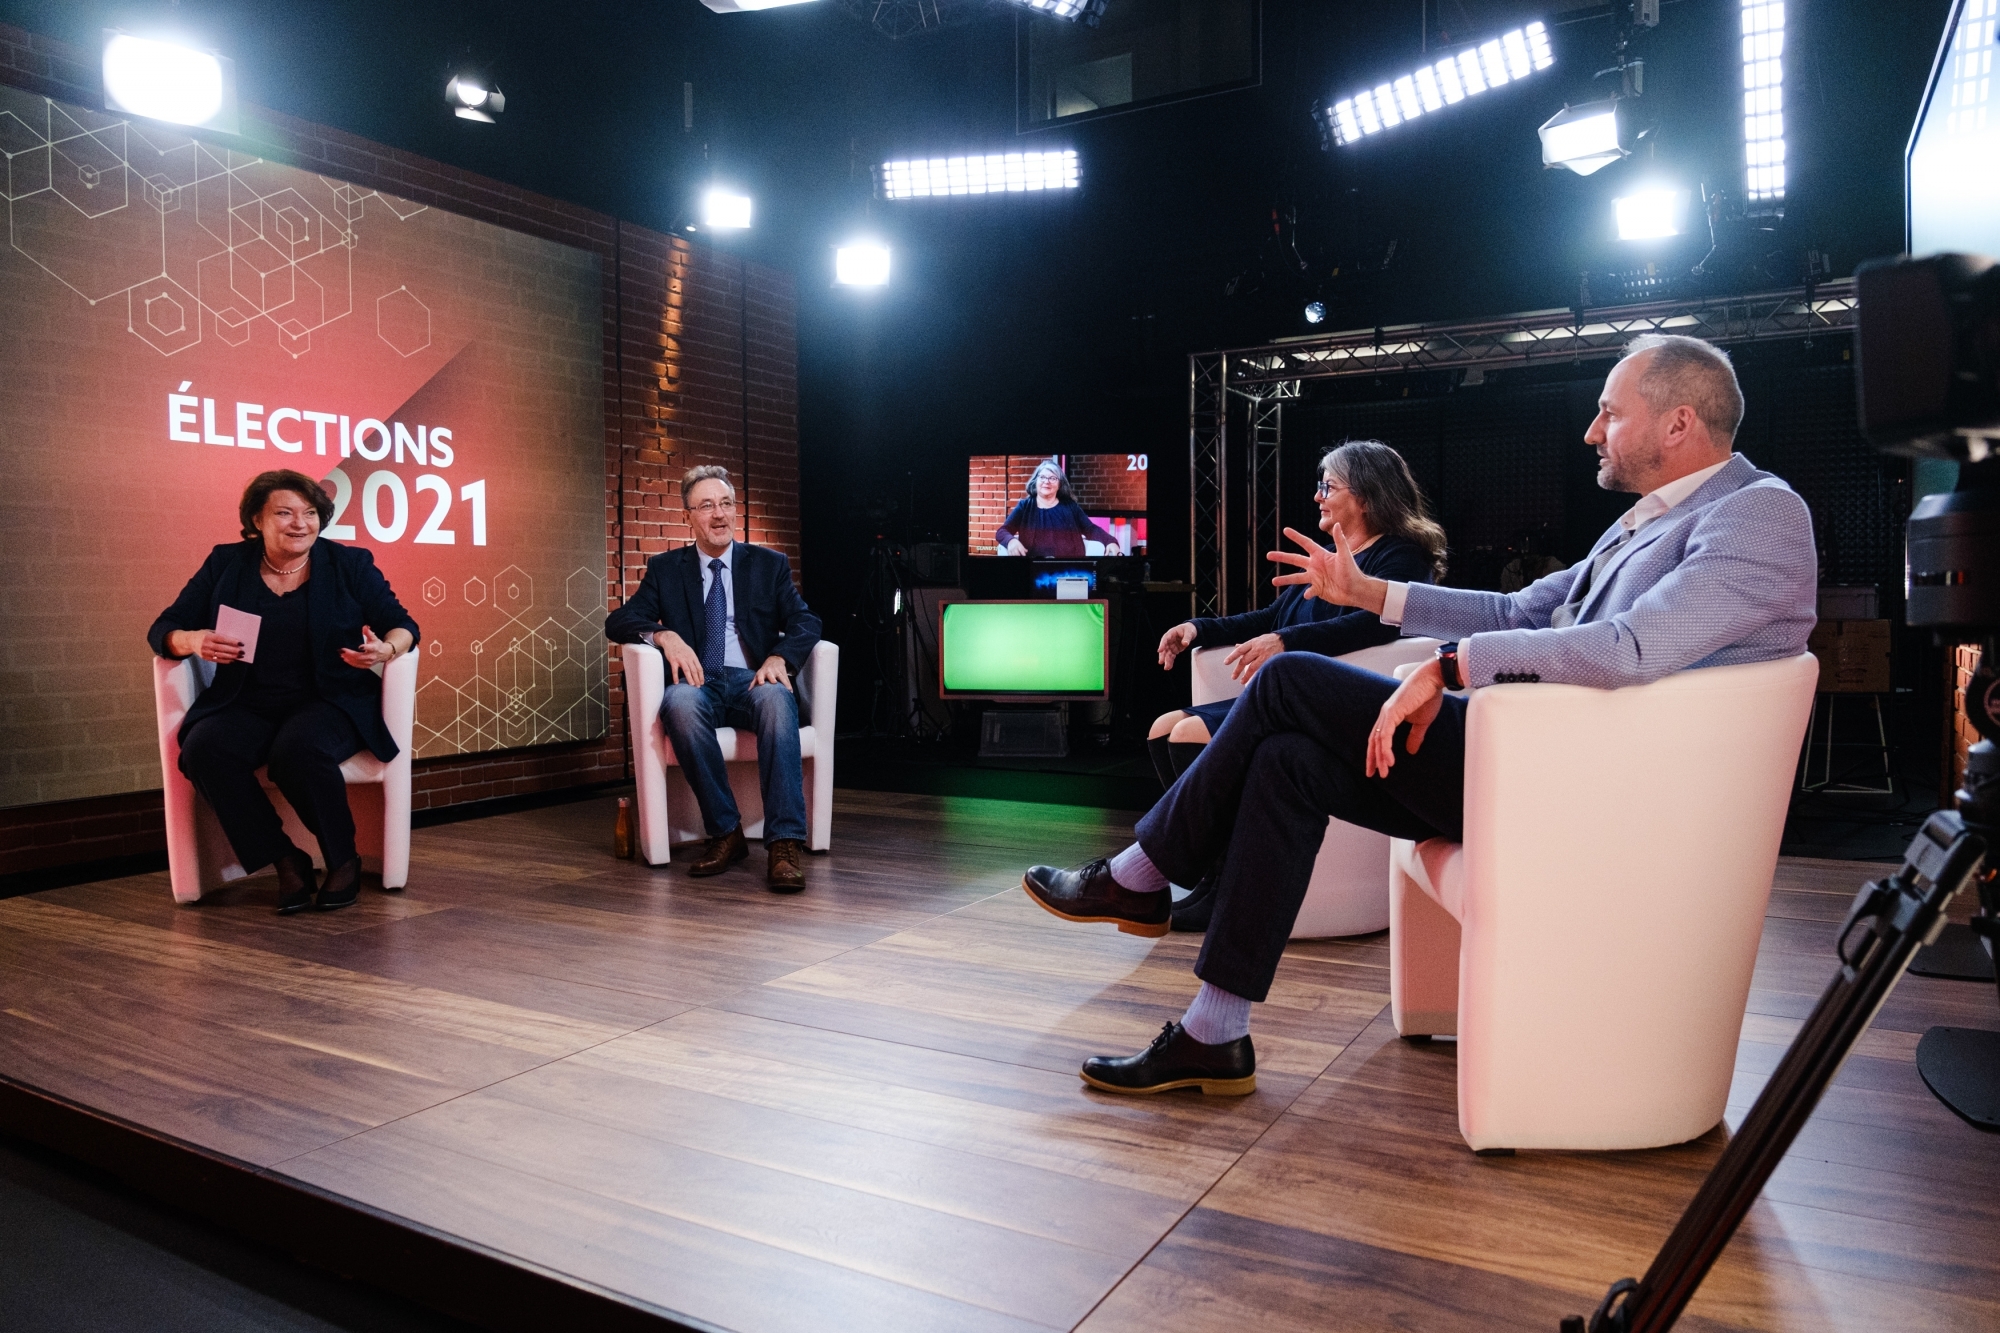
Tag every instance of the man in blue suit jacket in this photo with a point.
(1714, 565)
(712, 609)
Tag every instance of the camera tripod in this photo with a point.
(1889, 920)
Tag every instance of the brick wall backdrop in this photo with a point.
(1964, 657)
(691, 336)
(1108, 484)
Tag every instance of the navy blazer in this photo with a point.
(1321, 627)
(771, 617)
(345, 592)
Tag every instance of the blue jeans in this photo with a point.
(726, 699)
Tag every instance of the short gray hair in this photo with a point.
(1689, 372)
(706, 472)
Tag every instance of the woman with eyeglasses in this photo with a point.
(1049, 524)
(1366, 488)
(301, 697)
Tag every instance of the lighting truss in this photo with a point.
(994, 173)
(1505, 59)
(1764, 99)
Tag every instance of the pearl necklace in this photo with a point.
(286, 573)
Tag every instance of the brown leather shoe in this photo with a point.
(720, 854)
(787, 867)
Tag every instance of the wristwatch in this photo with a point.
(1448, 666)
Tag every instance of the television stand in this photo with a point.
(1024, 731)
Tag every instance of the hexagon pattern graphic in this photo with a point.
(539, 676)
(191, 235)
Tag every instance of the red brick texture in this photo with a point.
(1964, 657)
(695, 342)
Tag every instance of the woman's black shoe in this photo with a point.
(1191, 913)
(342, 887)
(295, 882)
(1176, 1060)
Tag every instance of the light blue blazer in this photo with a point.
(1729, 575)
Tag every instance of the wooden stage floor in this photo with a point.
(858, 1108)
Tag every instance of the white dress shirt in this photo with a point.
(1650, 506)
(732, 645)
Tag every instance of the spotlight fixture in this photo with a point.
(861, 264)
(1315, 312)
(1508, 58)
(1764, 99)
(1587, 137)
(472, 99)
(164, 81)
(725, 210)
(1648, 215)
(747, 6)
(1086, 12)
(996, 173)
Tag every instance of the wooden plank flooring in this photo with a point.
(859, 1108)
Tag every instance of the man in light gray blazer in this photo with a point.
(1713, 566)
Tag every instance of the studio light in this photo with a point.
(861, 264)
(1587, 137)
(1647, 215)
(725, 210)
(1315, 312)
(1764, 99)
(163, 81)
(1508, 58)
(747, 6)
(1076, 11)
(472, 99)
(995, 173)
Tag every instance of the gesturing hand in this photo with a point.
(1173, 643)
(372, 652)
(205, 644)
(1415, 701)
(1330, 576)
(773, 672)
(683, 662)
(1246, 657)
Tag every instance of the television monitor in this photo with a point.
(1024, 651)
(1111, 488)
(1952, 164)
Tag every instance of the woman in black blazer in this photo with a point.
(308, 701)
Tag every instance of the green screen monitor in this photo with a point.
(1024, 651)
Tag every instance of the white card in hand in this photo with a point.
(241, 626)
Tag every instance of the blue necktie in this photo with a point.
(717, 626)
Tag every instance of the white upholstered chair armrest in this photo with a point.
(1208, 671)
(645, 687)
(819, 689)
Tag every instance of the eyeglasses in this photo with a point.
(1326, 488)
(707, 507)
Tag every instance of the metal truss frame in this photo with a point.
(1264, 377)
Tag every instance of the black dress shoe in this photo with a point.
(1088, 893)
(295, 882)
(1176, 1060)
(342, 887)
(1192, 912)
(720, 854)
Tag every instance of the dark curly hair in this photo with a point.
(282, 479)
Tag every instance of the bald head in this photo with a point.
(1670, 407)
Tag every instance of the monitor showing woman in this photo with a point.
(300, 696)
(1048, 523)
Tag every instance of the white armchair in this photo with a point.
(1591, 941)
(1349, 893)
(199, 857)
(666, 805)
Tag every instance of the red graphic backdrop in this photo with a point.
(175, 318)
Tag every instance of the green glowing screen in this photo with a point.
(1023, 647)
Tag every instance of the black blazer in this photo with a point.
(1314, 626)
(771, 617)
(345, 592)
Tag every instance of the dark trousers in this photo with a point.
(303, 749)
(1254, 805)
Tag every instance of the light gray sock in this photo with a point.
(1135, 871)
(1216, 1016)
